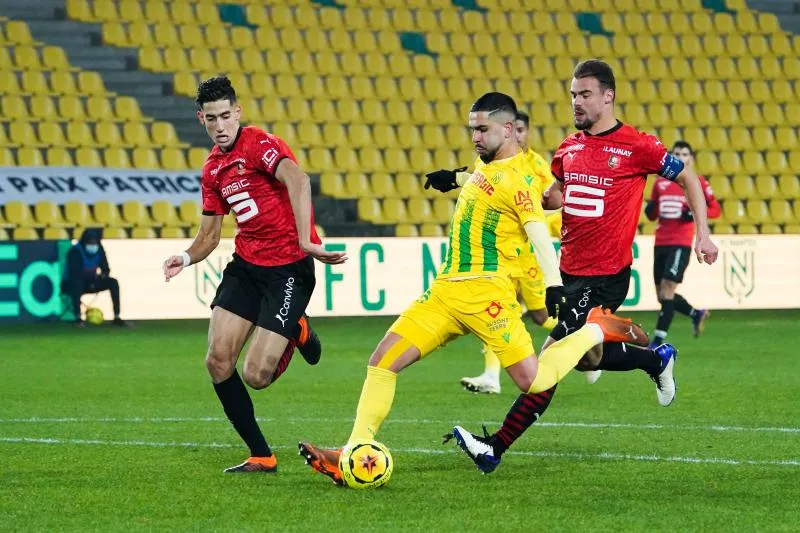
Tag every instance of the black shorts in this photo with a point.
(670, 262)
(585, 292)
(271, 297)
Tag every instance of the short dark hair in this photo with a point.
(213, 89)
(524, 117)
(495, 103)
(682, 144)
(600, 70)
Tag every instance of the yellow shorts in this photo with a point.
(531, 285)
(486, 307)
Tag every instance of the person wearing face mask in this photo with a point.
(87, 272)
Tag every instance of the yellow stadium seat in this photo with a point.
(757, 211)
(163, 213)
(108, 134)
(99, 108)
(770, 229)
(332, 184)
(780, 212)
(776, 162)
(25, 234)
(443, 209)
(382, 185)
(773, 114)
(789, 186)
(116, 158)
(166, 34)
(34, 82)
(79, 10)
(135, 213)
(164, 134)
(746, 229)
(321, 159)
(77, 213)
(431, 230)
(22, 133)
(394, 211)
(88, 157)
(737, 91)
(42, 107)
(30, 157)
(356, 185)
(733, 211)
(197, 157)
(55, 234)
(143, 233)
(408, 185)
(173, 232)
(173, 159)
(791, 228)
(145, 158)
(750, 113)
(369, 209)
(406, 230)
(14, 107)
(48, 213)
(743, 186)
(19, 214)
(720, 185)
(59, 157)
(90, 83)
(189, 213)
(753, 162)
(771, 68)
(766, 187)
(707, 163)
(71, 108)
(730, 161)
(135, 134)
(782, 91)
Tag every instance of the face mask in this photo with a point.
(92, 249)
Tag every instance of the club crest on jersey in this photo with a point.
(494, 309)
(241, 168)
(523, 200)
(613, 161)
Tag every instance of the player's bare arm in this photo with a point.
(204, 243)
(299, 187)
(705, 249)
(546, 256)
(553, 197)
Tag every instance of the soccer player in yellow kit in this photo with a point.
(497, 208)
(529, 282)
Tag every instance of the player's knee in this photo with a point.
(257, 378)
(219, 363)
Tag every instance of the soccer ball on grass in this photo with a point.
(94, 316)
(366, 464)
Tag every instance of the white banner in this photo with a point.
(383, 276)
(88, 185)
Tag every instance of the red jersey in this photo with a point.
(670, 204)
(243, 179)
(603, 183)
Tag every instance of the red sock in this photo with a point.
(526, 410)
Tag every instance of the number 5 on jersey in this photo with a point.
(581, 206)
(244, 206)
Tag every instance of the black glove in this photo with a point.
(687, 215)
(554, 298)
(650, 210)
(443, 180)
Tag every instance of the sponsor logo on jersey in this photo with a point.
(480, 181)
(617, 151)
(216, 170)
(497, 325)
(523, 200)
(269, 157)
(588, 179)
(234, 187)
(283, 312)
(575, 148)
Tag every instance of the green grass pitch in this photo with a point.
(119, 430)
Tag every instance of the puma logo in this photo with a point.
(577, 314)
(631, 333)
(567, 329)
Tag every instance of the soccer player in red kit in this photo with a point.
(266, 287)
(673, 244)
(600, 176)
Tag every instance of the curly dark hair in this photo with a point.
(213, 89)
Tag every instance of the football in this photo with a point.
(94, 316)
(366, 464)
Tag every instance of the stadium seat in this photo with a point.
(115, 232)
(173, 232)
(189, 213)
(25, 234)
(789, 187)
(135, 214)
(770, 229)
(55, 234)
(163, 213)
(19, 214)
(780, 212)
(757, 212)
(766, 187)
(369, 209)
(143, 233)
(406, 230)
(431, 230)
(77, 213)
(107, 214)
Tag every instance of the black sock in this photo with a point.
(664, 321)
(526, 410)
(683, 307)
(619, 357)
(239, 409)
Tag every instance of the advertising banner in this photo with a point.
(88, 185)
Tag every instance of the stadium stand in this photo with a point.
(373, 93)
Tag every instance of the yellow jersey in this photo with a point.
(487, 227)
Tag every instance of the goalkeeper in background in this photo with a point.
(529, 283)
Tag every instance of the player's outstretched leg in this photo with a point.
(324, 461)
(489, 381)
(699, 321)
(555, 362)
(307, 341)
(666, 386)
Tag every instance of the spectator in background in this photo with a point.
(87, 272)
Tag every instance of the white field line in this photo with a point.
(428, 451)
(589, 425)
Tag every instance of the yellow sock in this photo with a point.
(491, 361)
(375, 403)
(561, 357)
(550, 323)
